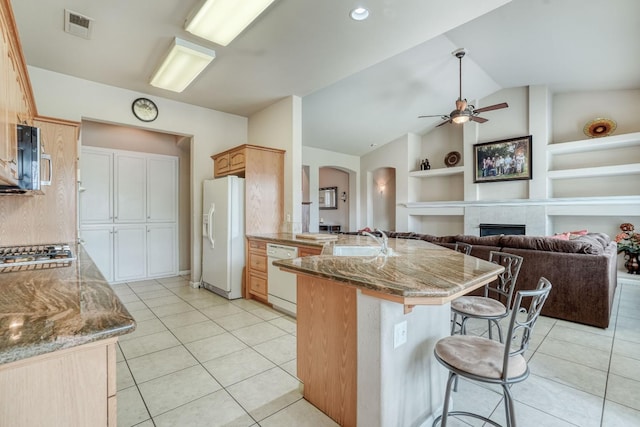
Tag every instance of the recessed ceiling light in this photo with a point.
(359, 14)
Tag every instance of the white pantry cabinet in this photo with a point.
(98, 242)
(129, 252)
(161, 254)
(128, 213)
(126, 187)
(130, 187)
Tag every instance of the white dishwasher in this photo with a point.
(282, 286)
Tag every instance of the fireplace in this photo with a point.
(497, 229)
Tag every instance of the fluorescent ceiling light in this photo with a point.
(182, 65)
(220, 21)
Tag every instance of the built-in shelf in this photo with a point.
(595, 144)
(437, 172)
(616, 170)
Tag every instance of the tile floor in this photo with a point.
(197, 359)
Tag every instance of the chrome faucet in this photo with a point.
(383, 241)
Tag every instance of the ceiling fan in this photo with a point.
(465, 112)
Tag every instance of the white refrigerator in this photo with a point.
(223, 236)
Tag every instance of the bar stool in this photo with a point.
(465, 248)
(485, 307)
(485, 360)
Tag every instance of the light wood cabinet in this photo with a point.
(221, 165)
(16, 96)
(257, 269)
(237, 160)
(257, 266)
(263, 171)
(51, 217)
(231, 162)
(304, 251)
(72, 387)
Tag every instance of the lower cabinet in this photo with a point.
(129, 252)
(71, 387)
(132, 251)
(256, 270)
(98, 242)
(162, 257)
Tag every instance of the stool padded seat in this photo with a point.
(478, 306)
(478, 356)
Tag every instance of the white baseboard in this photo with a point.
(194, 285)
(184, 272)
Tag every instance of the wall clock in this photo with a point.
(144, 109)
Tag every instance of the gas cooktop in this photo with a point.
(19, 258)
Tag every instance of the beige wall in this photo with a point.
(67, 97)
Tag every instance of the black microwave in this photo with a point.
(29, 162)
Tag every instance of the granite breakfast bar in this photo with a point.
(352, 311)
(58, 332)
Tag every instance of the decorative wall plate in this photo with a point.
(599, 127)
(452, 159)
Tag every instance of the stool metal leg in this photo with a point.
(509, 407)
(447, 397)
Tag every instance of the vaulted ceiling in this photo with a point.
(361, 83)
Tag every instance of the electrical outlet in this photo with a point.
(399, 334)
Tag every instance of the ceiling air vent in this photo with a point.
(78, 25)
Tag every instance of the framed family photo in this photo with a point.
(505, 160)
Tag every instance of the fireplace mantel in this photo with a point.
(534, 213)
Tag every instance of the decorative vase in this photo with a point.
(632, 263)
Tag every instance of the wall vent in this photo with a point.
(77, 24)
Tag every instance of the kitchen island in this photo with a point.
(367, 326)
(59, 328)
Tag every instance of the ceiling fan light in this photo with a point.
(460, 117)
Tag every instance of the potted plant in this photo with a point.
(629, 242)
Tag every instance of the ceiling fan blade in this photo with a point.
(478, 119)
(436, 115)
(492, 107)
(443, 123)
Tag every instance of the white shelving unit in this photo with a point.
(603, 143)
(594, 145)
(457, 170)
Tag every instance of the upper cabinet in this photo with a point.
(48, 218)
(232, 162)
(263, 170)
(127, 187)
(17, 104)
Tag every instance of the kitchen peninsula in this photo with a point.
(59, 328)
(367, 327)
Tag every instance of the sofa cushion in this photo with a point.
(480, 241)
(586, 244)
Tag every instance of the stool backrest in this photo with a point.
(524, 319)
(506, 283)
(465, 248)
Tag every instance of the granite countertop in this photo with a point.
(418, 269)
(51, 309)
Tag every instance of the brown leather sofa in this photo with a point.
(582, 271)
